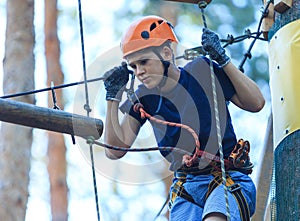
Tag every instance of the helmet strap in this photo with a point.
(166, 65)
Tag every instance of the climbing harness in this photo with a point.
(239, 154)
(179, 191)
(239, 157)
(234, 188)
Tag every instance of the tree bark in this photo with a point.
(56, 145)
(15, 143)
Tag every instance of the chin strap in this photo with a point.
(166, 65)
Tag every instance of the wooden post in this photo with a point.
(282, 5)
(49, 119)
(268, 21)
(284, 52)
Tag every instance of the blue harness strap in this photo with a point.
(234, 188)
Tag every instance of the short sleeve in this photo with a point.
(127, 107)
(226, 84)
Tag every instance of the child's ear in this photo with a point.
(167, 53)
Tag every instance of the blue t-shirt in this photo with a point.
(190, 103)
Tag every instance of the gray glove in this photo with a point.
(211, 44)
(115, 82)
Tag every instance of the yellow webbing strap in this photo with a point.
(178, 190)
(233, 188)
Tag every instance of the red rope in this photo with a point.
(187, 159)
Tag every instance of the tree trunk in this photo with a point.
(56, 144)
(284, 83)
(15, 144)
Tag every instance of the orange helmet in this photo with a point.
(146, 32)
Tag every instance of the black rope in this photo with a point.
(132, 149)
(87, 107)
(258, 33)
(56, 107)
(202, 6)
(52, 88)
(248, 34)
(163, 206)
(90, 141)
(192, 53)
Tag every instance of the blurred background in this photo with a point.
(135, 187)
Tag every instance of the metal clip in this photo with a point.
(192, 53)
(130, 91)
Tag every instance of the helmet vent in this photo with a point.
(152, 26)
(145, 35)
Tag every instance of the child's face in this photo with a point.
(147, 68)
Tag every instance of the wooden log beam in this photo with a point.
(49, 119)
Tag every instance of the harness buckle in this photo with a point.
(234, 187)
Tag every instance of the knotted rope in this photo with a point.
(187, 159)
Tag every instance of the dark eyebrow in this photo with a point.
(146, 57)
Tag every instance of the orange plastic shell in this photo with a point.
(147, 32)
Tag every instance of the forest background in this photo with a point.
(140, 194)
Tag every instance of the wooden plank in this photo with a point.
(190, 1)
(268, 21)
(49, 119)
(282, 5)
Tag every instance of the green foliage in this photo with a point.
(223, 16)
